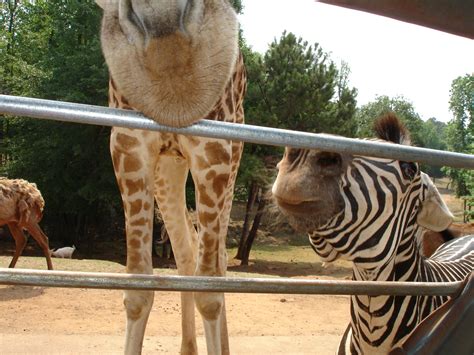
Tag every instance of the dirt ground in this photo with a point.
(37, 320)
(83, 321)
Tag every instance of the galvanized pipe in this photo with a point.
(222, 284)
(79, 113)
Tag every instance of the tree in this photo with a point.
(434, 136)
(460, 132)
(69, 162)
(296, 86)
(300, 83)
(403, 108)
(22, 44)
(51, 49)
(238, 6)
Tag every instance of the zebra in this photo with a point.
(371, 211)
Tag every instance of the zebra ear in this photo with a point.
(434, 214)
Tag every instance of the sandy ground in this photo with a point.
(37, 320)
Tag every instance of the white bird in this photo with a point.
(65, 252)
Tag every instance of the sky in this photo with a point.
(386, 57)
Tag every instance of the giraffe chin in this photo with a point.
(177, 90)
(173, 79)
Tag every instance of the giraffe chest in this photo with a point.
(145, 143)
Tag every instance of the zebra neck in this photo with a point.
(402, 264)
(375, 320)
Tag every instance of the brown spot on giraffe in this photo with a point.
(220, 183)
(127, 143)
(216, 154)
(204, 198)
(201, 163)
(131, 164)
(209, 241)
(205, 218)
(209, 257)
(135, 186)
(214, 114)
(230, 103)
(134, 243)
(134, 257)
(136, 233)
(135, 207)
(139, 222)
(211, 175)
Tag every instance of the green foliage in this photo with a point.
(296, 86)
(238, 6)
(460, 132)
(434, 137)
(54, 52)
(434, 134)
(404, 109)
(302, 89)
(23, 40)
(51, 49)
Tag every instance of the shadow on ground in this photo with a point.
(9, 293)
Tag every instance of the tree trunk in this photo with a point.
(255, 226)
(12, 6)
(252, 196)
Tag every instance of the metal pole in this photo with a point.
(79, 113)
(222, 284)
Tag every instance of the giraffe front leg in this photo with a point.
(138, 304)
(170, 186)
(212, 174)
(135, 185)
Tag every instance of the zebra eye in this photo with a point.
(409, 170)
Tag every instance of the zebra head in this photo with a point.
(356, 207)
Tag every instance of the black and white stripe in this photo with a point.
(372, 211)
(377, 230)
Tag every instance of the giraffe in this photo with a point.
(21, 207)
(176, 61)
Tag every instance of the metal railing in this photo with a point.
(87, 114)
(224, 284)
(96, 115)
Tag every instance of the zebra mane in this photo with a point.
(389, 127)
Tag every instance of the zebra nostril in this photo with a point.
(329, 163)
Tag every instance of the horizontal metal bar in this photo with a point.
(222, 284)
(79, 113)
